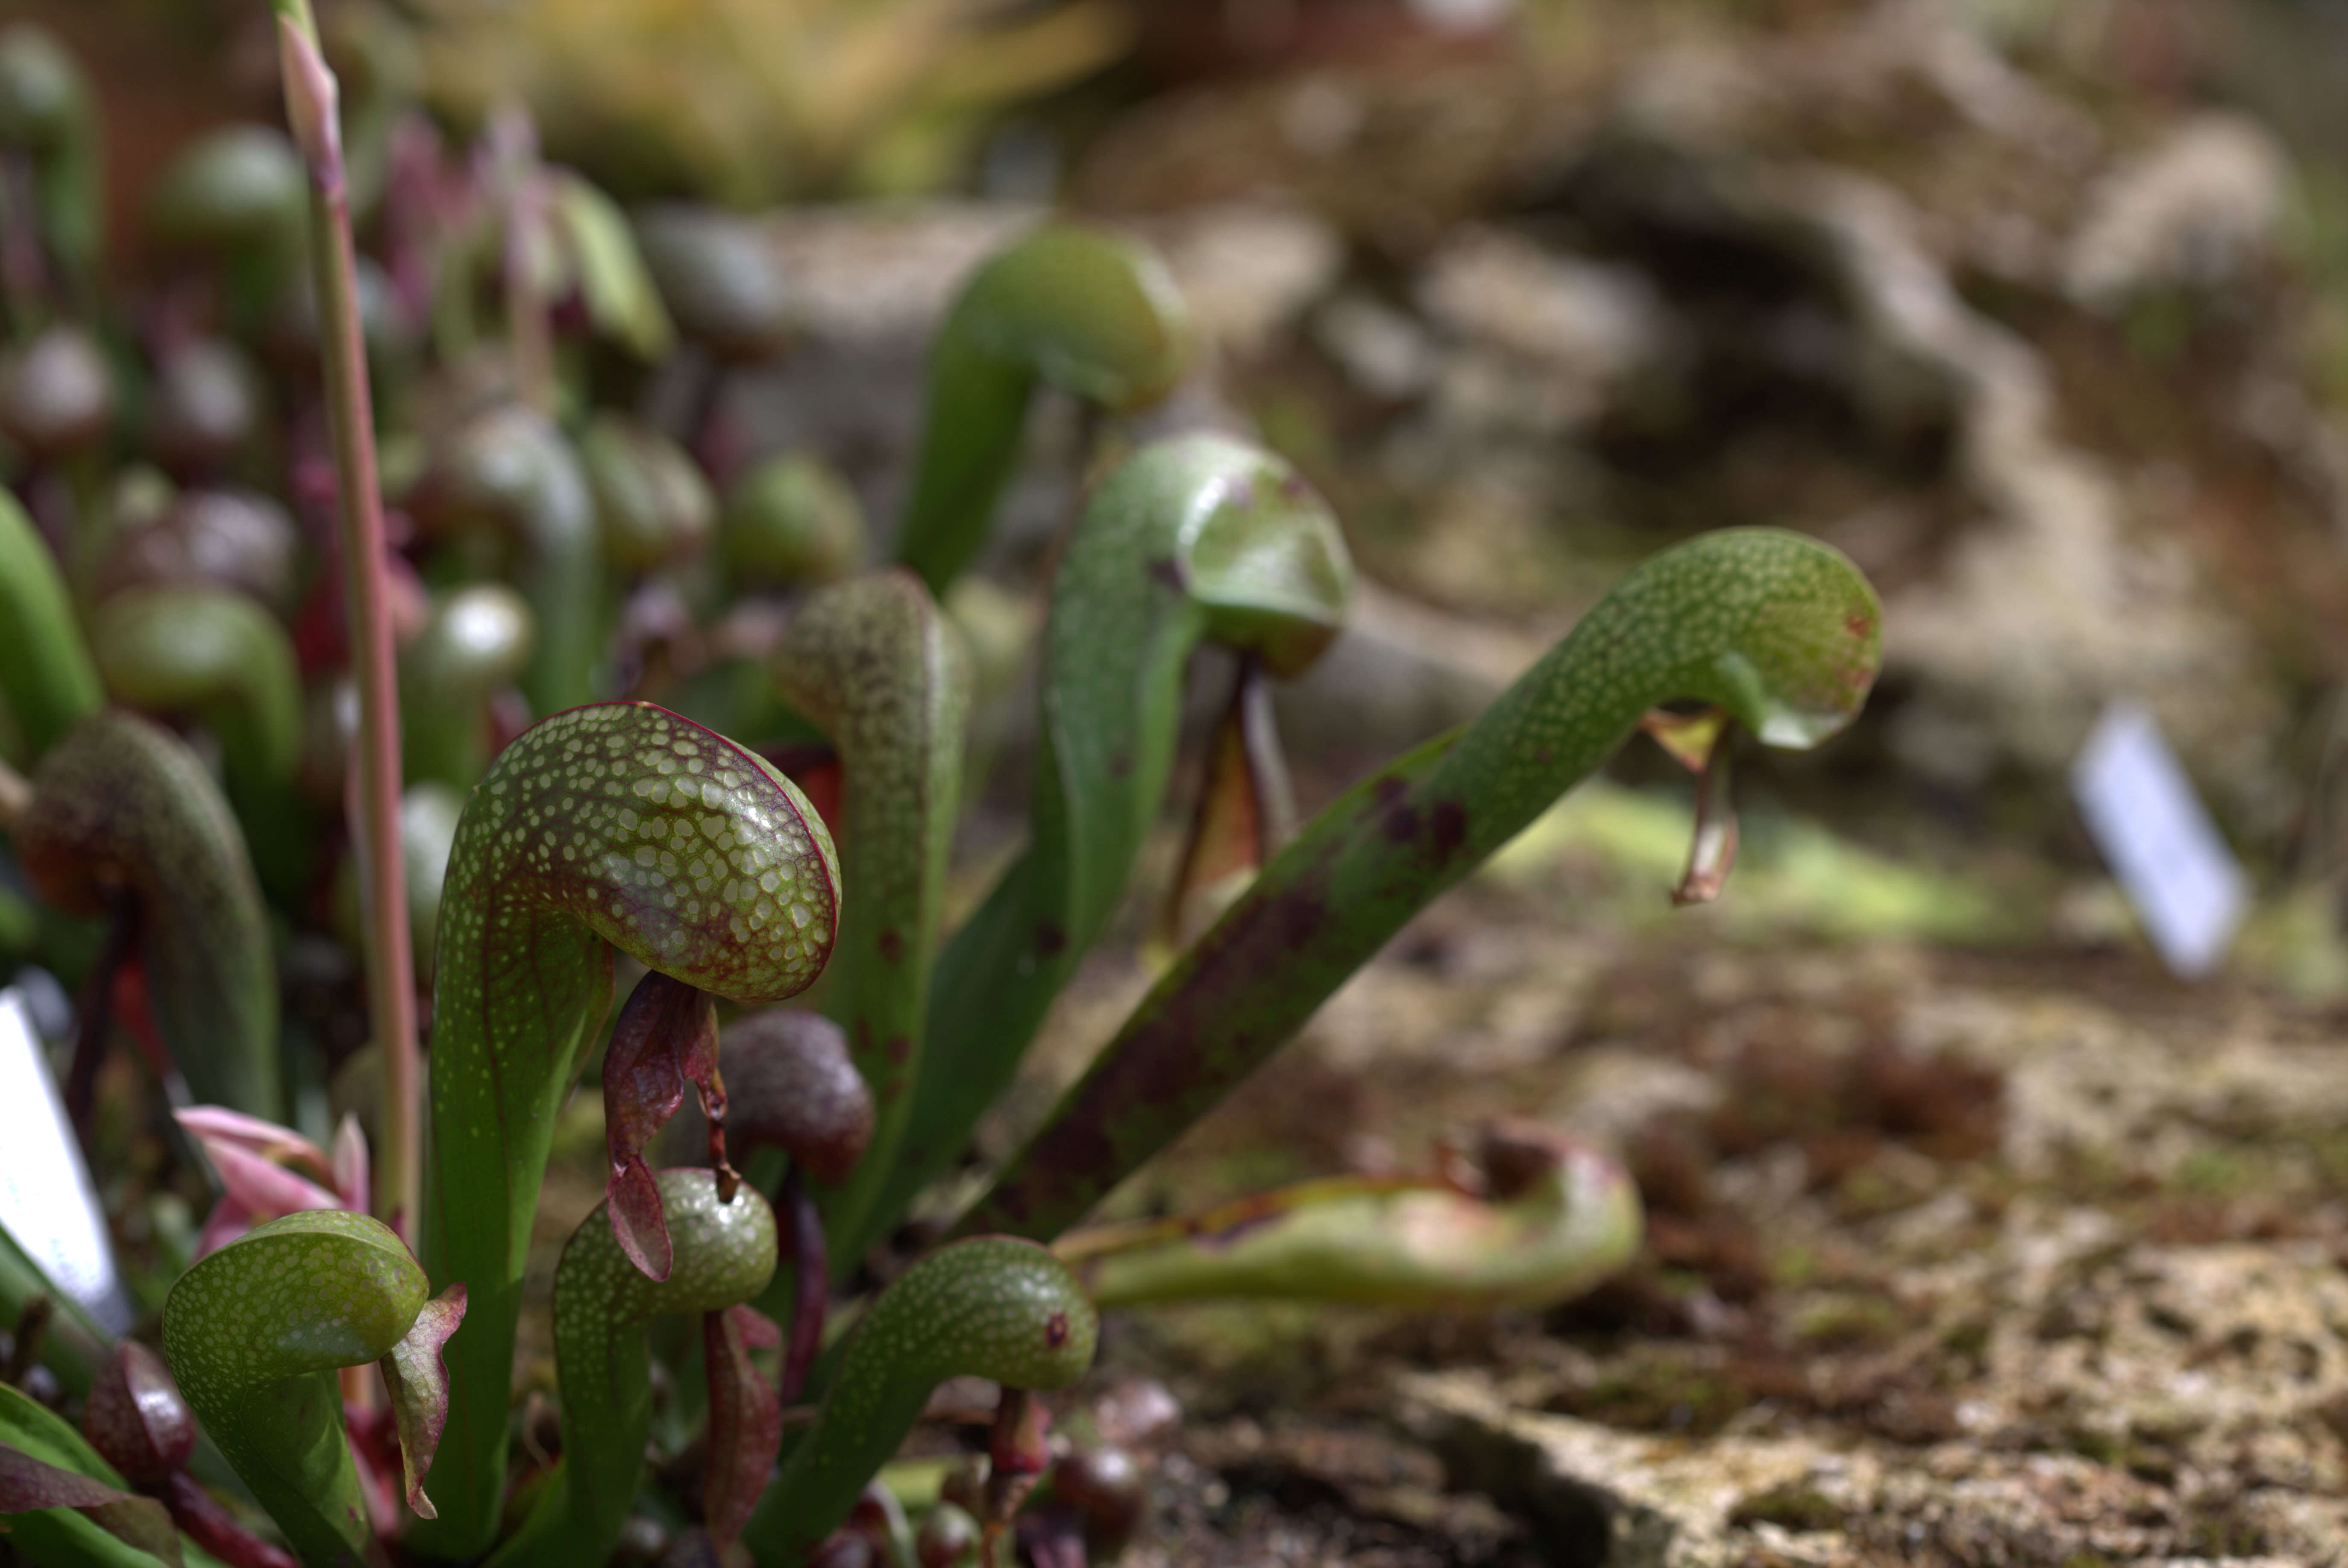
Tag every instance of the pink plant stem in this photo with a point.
(310, 107)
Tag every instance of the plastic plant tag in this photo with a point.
(47, 1201)
(2183, 881)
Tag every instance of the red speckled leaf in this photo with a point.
(27, 1484)
(666, 1033)
(819, 778)
(418, 1377)
(745, 1418)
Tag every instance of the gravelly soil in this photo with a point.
(1952, 1257)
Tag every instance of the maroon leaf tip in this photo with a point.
(135, 1418)
(745, 1418)
(632, 1200)
(27, 1484)
(417, 1375)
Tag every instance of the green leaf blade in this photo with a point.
(872, 662)
(65, 1504)
(47, 678)
(1191, 540)
(123, 803)
(991, 1306)
(256, 1333)
(1080, 309)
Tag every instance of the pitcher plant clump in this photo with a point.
(628, 695)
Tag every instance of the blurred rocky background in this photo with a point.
(2035, 308)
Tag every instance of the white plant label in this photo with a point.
(47, 1201)
(2184, 882)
